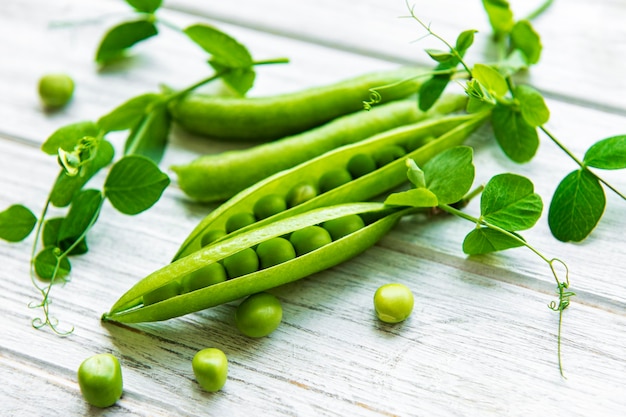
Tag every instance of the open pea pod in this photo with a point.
(378, 219)
(423, 140)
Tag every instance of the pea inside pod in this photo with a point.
(130, 309)
(301, 184)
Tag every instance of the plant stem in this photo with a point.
(580, 163)
(539, 10)
(220, 74)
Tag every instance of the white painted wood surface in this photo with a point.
(481, 341)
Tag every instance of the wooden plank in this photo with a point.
(481, 340)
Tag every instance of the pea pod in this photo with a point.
(216, 177)
(448, 131)
(262, 119)
(130, 308)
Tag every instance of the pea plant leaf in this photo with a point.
(509, 201)
(518, 139)
(609, 153)
(532, 105)
(50, 237)
(145, 6)
(525, 39)
(224, 49)
(464, 41)
(16, 223)
(83, 212)
(500, 15)
(450, 174)
(46, 266)
(431, 89)
(444, 179)
(577, 206)
(240, 80)
(415, 197)
(491, 80)
(485, 240)
(149, 136)
(66, 186)
(120, 38)
(67, 137)
(128, 114)
(134, 184)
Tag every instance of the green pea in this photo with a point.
(269, 205)
(393, 302)
(343, 226)
(100, 380)
(301, 193)
(55, 90)
(309, 238)
(333, 179)
(169, 290)
(213, 273)
(211, 236)
(241, 263)
(259, 315)
(275, 251)
(361, 164)
(238, 221)
(210, 367)
(388, 154)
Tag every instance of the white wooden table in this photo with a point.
(481, 340)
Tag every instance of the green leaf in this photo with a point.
(500, 15)
(67, 186)
(516, 137)
(83, 212)
(134, 184)
(239, 79)
(532, 105)
(130, 113)
(224, 49)
(577, 206)
(16, 223)
(490, 79)
(510, 202)
(46, 264)
(431, 90)
(67, 137)
(149, 137)
(524, 38)
(50, 237)
(415, 197)
(123, 36)
(484, 240)
(145, 6)
(440, 56)
(450, 174)
(609, 153)
(415, 174)
(464, 41)
(475, 105)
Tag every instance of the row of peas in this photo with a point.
(264, 255)
(268, 205)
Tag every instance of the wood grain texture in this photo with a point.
(481, 341)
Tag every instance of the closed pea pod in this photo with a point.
(448, 131)
(129, 308)
(261, 119)
(216, 177)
